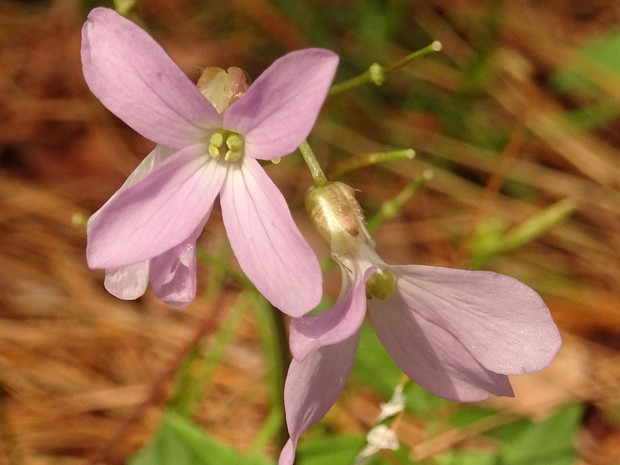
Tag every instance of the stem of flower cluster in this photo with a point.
(315, 169)
(368, 159)
(390, 208)
(377, 73)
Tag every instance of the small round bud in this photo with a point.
(338, 217)
(377, 74)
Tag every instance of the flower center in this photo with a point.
(380, 285)
(227, 144)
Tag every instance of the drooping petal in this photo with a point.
(430, 355)
(502, 322)
(173, 275)
(138, 82)
(130, 282)
(312, 387)
(269, 248)
(157, 213)
(278, 111)
(331, 326)
(127, 282)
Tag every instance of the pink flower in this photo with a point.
(148, 229)
(456, 333)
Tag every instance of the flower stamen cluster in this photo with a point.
(222, 139)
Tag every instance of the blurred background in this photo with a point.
(518, 117)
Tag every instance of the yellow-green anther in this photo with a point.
(233, 141)
(215, 143)
(214, 151)
(235, 145)
(216, 139)
(380, 285)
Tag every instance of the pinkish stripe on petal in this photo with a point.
(157, 213)
(278, 111)
(269, 248)
(138, 82)
(502, 322)
(312, 387)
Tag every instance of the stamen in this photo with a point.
(380, 285)
(235, 144)
(233, 141)
(215, 143)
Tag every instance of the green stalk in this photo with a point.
(377, 74)
(315, 169)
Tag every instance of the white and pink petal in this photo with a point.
(157, 213)
(173, 273)
(312, 387)
(501, 322)
(127, 282)
(344, 318)
(430, 355)
(268, 245)
(137, 81)
(277, 112)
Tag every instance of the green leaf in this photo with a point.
(593, 72)
(465, 417)
(466, 458)
(603, 52)
(550, 442)
(179, 441)
(421, 403)
(331, 449)
(373, 365)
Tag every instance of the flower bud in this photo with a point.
(222, 88)
(338, 217)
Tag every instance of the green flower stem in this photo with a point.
(124, 7)
(315, 169)
(356, 162)
(392, 207)
(274, 341)
(377, 73)
(435, 46)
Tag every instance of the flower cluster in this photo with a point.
(457, 333)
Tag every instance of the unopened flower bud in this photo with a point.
(338, 217)
(221, 88)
